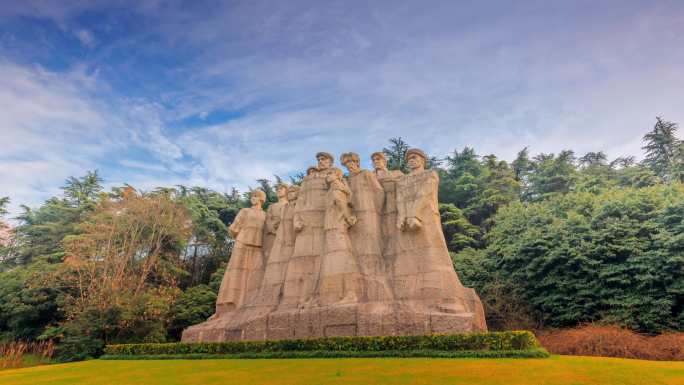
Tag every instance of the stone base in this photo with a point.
(357, 319)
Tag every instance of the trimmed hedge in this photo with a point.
(449, 343)
(529, 353)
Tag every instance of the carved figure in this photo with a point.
(423, 271)
(366, 236)
(302, 270)
(339, 280)
(388, 180)
(274, 216)
(361, 255)
(245, 268)
(283, 245)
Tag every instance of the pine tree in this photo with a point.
(551, 175)
(661, 148)
(677, 167)
(521, 165)
(83, 191)
(466, 161)
(593, 159)
(396, 154)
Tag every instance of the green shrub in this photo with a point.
(615, 257)
(528, 353)
(496, 341)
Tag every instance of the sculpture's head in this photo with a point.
(351, 161)
(325, 160)
(416, 159)
(257, 198)
(334, 176)
(293, 193)
(310, 170)
(379, 160)
(281, 190)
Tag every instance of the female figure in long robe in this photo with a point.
(245, 268)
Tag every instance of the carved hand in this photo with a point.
(298, 225)
(351, 221)
(400, 223)
(414, 224)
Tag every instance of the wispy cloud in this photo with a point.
(85, 37)
(221, 94)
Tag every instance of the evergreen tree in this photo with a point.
(522, 165)
(615, 256)
(551, 175)
(623, 162)
(396, 154)
(677, 167)
(84, 191)
(209, 245)
(594, 159)
(458, 231)
(464, 162)
(477, 187)
(661, 146)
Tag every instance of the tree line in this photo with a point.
(549, 240)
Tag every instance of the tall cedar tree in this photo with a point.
(662, 148)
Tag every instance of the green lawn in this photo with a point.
(555, 370)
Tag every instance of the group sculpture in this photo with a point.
(342, 256)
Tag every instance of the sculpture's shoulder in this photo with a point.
(362, 174)
(276, 207)
(388, 175)
(424, 176)
(419, 180)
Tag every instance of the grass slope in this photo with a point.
(556, 370)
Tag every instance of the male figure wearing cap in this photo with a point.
(423, 272)
(309, 215)
(366, 235)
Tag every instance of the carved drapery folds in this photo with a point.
(361, 254)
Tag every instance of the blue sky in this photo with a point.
(219, 93)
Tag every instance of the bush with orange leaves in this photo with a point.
(126, 247)
(613, 341)
(121, 273)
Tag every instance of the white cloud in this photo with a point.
(85, 37)
(52, 126)
(47, 132)
(340, 78)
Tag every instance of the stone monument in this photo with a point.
(359, 255)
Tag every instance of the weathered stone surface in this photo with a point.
(245, 268)
(361, 255)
